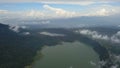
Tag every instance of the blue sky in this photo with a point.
(38, 6)
(20, 6)
(21, 10)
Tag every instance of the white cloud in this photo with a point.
(116, 37)
(50, 12)
(3, 11)
(95, 35)
(118, 33)
(45, 22)
(114, 66)
(14, 28)
(26, 33)
(93, 63)
(115, 57)
(102, 63)
(104, 10)
(84, 3)
(118, 26)
(47, 13)
(34, 14)
(60, 12)
(24, 27)
(51, 34)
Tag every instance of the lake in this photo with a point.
(67, 55)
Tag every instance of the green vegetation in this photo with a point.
(18, 50)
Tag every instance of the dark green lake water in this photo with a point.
(67, 55)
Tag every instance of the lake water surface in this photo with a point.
(67, 55)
